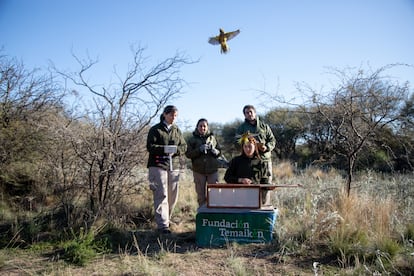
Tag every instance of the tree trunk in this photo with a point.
(351, 162)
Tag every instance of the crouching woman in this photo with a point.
(248, 168)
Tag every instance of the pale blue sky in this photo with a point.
(281, 42)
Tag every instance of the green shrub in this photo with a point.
(389, 246)
(41, 247)
(409, 232)
(83, 248)
(348, 243)
(383, 254)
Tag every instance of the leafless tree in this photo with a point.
(112, 143)
(361, 105)
(26, 99)
(25, 94)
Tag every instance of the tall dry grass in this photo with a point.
(366, 227)
(370, 229)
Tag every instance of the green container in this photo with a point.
(218, 226)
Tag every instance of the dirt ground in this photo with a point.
(175, 254)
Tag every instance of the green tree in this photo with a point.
(228, 133)
(404, 144)
(287, 126)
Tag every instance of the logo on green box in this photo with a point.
(214, 229)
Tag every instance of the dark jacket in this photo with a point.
(244, 167)
(203, 162)
(159, 136)
(264, 136)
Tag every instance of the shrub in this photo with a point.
(347, 242)
(83, 248)
(389, 246)
(409, 232)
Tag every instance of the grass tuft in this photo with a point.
(82, 248)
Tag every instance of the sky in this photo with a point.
(281, 43)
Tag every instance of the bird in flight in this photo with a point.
(222, 39)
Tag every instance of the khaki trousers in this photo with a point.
(200, 181)
(164, 186)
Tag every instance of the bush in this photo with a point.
(389, 247)
(348, 243)
(83, 248)
(409, 232)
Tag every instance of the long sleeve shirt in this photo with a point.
(159, 136)
(244, 167)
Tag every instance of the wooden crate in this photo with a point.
(234, 196)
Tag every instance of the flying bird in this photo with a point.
(222, 39)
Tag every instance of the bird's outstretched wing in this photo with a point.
(214, 40)
(230, 35)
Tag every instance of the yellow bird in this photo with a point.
(222, 39)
